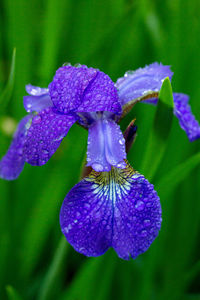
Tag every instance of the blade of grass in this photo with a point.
(159, 133)
(54, 270)
(178, 174)
(56, 17)
(165, 186)
(12, 293)
(7, 92)
(45, 211)
(93, 279)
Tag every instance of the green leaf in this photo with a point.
(160, 131)
(167, 183)
(12, 293)
(54, 270)
(7, 92)
(93, 280)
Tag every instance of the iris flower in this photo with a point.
(114, 206)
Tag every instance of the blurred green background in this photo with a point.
(114, 36)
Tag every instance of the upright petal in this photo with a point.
(118, 209)
(184, 114)
(12, 163)
(83, 89)
(45, 135)
(106, 146)
(139, 83)
(38, 98)
(37, 103)
(36, 90)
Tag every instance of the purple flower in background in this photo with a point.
(114, 206)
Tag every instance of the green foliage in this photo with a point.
(7, 92)
(160, 131)
(12, 293)
(115, 36)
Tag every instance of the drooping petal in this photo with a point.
(12, 163)
(45, 135)
(118, 209)
(184, 114)
(36, 90)
(82, 89)
(136, 84)
(37, 103)
(106, 146)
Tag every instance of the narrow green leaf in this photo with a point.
(191, 297)
(12, 293)
(159, 133)
(193, 272)
(167, 183)
(56, 18)
(45, 211)
(93, 280)
(42, 217)
(54, 270)
(7, 92)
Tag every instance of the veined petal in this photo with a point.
(36, 90)
(140, 83)
(118, 209)
(12, 163)
(106, 146)
(37, 103)
(82, 89)
(45, 135)
(184, 114)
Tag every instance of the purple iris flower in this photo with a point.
(114, 206)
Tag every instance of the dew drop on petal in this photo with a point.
(121, 141)
(147, 222)
(139, 205)
(45, 151)
(66, 64)
(77, 65)
(97, 167)
(78, 214)
(143, 233)
(37, 119)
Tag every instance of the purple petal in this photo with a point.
(36, 90)
(12, 163)
(83, 89)
(186, 119)
(118, 209)
(45, 135)
(139, 83)
(106, 146)
(37, 103)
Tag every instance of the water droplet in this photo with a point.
(147, 222)
(77, 65)
(121, 141)
(143, 233)
(158, 224)
(87, 205)
(37, 119)
(128, 73)
(78, 214)
(45, 151)
(67, 229)
(97, 167)
(139, 205)
(66, 64)
(59, 138)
